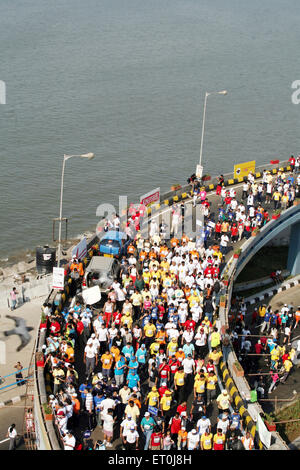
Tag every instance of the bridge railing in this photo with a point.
(232, 270)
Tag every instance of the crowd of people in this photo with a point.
(265, 333)
(147, 359)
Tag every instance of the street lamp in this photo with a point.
(89, 156)
(199, 169)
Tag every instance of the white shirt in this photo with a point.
(90, 351)
(131, 436)
(223, 425)
(106, 404)
(202, 425)
(102, 334)
(188, 365)
(108, 422)
(69, 442)
(193, 440)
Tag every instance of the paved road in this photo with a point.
(9, 415)
(287, 390)
(31, 312)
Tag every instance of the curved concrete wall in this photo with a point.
(232, 270)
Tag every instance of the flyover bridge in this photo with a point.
(237, 386)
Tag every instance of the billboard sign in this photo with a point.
(151, 197)
(80, 250)
(58, 278)
(243, 169)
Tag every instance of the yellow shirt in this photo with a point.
(154, 348)
(165, 265)
(166, 402)
(200, 385)
(206, 441)
(172, 348)
(153, 399)
(215, 356)
(149, 330)
(215, 339)
(107, 361)
(146, 276)
(262, 311)
(211, 382)
(136, 299)
(219, 439)
(287, 365)
(126, 320)
(179, 378)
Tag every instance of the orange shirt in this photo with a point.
(174, 242)
(187, 292)
(161, 337)
(143, 255)
(107, 361)
(179, 354)
(130, 249)
(163, 252)
(76, 405)
(152, 255)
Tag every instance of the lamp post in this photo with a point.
(89, 156)
(199, 169)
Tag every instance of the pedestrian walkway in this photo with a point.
(31, 313)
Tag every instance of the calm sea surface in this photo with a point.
(126, 79)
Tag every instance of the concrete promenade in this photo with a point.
(31, 312)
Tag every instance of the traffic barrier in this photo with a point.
(239, 403)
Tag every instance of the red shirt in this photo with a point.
(175, 425)
(162, 391)
(181, 408)
(285, 357)
(156, 439)
(79, 327)
(117, 317)
(189, 324)
(216, 272)
(163, 371)
(218, 228)
(173, 366)
(258, 348)
(55, 327)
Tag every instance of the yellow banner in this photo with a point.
(243, 169)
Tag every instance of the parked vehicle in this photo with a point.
(101, 272)
(114, 244)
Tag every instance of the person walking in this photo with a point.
(19, 376)
(13, 298)
(12, 434)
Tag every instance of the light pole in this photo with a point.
(199, 169)
(89, 156)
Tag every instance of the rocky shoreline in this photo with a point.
(19, 268)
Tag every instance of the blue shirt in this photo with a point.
(188, 349)
(133, 380)
(120, 363)
(154, 313)
(128, 351)
(267, 316)
(146, 320)
(81, 390)
(148, 424)
(134, 364)
(97, 401)
(141, 355)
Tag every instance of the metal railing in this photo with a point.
(21, 379)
